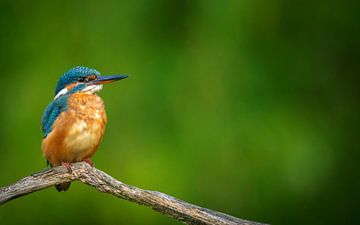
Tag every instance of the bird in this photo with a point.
(73, 124)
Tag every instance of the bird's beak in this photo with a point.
(108, 79)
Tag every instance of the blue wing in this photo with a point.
(52, 112)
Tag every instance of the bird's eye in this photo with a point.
(81, 79)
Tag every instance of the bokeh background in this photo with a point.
(246, 107)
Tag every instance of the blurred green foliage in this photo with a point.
(247, 107)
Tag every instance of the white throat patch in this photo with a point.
(90, 89)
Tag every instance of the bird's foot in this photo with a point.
(88, 161)
(67, 166)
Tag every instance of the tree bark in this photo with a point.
(178, 209)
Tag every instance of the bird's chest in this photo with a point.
(86, 122)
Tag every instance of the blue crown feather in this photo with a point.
(73, 75)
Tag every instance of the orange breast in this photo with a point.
(77, 132)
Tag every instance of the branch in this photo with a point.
(178, 209)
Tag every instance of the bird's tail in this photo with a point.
(63, 186)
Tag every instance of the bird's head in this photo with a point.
(83, 79)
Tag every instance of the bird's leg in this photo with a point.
(67, 166)
(88, 161)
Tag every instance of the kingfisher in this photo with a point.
(74, 122)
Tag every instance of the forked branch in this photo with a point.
(178, 209)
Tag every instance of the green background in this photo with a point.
(246, 107)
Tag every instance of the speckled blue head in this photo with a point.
(73, 75)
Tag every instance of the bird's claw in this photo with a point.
(88, 161)
(67, 166)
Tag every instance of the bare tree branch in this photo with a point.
(178, 209)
